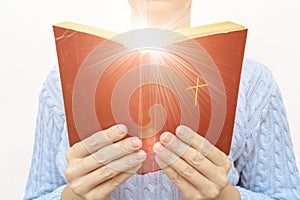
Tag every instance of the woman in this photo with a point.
(261, 164)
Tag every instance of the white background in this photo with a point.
(27, 53)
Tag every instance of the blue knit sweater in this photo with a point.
(264, 165)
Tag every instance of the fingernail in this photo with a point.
(141, 155)
(157, 147)
(186, 134)
(123, 129)
(134, 142)
(181, 130)
(166, 137)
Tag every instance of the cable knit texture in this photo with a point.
(264, 164)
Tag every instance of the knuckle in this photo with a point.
(228, 165)
(116, 182)
(106, 172)
(169, 157)
(213, 193)
(187, 172)
(77, 188)
(224, 180)
(100, 157)
(68, 174)
(196, 159)
(177, 180)
(76, 146)
(71, 172)
(110, 136)
(197, 196)
(68, 155)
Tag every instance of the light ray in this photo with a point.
(175, 20)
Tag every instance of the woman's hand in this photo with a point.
(197, 168)
(101, 163)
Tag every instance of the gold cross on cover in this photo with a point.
(197, 86)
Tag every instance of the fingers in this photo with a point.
(117, 150)
(128, 164)
(181, 167)
(190, 159)
(107, 187)
(103, 156)
(207, 189)
(200, 144)
(104, 138)
(180, 182)
(193, 139)
(195, 159)
(97, 141)
(101, 162)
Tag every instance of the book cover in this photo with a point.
(151, 80)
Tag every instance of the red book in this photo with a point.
(151, 80)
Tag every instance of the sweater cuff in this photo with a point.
(250, 195)
(55, 195)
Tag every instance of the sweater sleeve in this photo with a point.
(46, 179)
(267, 167)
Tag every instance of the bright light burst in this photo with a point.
(167, 15)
